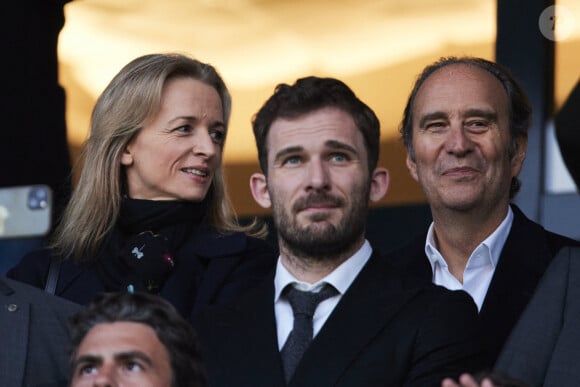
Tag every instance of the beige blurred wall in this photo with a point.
(376, 47)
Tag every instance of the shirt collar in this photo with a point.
(493, 244)
(341, 277)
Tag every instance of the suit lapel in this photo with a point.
(370, 303)
(253, 335)
(522, 262)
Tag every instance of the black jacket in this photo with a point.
(527, 252)
(217, 269)
(387, 330)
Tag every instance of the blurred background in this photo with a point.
(376, 46)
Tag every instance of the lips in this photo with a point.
(318, 207)
(459, 171)
(317, 201)
(201, 172)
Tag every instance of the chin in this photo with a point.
(192, 196)
(462, 198)
(315, 227)
(462, 205)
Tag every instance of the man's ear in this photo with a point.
(412, 166)
(379, 184)
(259, 188)
(520, 155)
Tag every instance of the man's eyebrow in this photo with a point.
(287, 151)
(133, 355)
(431, 116)
(476, 112)
(489, 115)
(334, 144)
(87, 359)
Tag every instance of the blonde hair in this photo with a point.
(132, 98)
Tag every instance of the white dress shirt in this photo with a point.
(341, 278)
(480, 266)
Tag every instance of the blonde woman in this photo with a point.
(150, 211)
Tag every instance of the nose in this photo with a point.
(204, 144)
(104, 382)
(317, 175)
(458, 142)
(105, 377)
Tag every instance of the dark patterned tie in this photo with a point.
(303, 305)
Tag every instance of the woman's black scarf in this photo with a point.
(141, 251)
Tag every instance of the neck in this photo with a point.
(311, 269)
(458, 234)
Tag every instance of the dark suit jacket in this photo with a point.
(217, 268)
(385, 331)
(34, 336)
(544, 347)
(525, 256)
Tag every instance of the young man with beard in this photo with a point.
(367, 325)
(465, 128)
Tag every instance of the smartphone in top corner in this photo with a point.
(25, 211)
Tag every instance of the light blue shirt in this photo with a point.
(480, 266)
(341, 278)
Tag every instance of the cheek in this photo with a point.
(423, 165)
(354, 182)
(424, 150)
(497, 154)
(281, 194)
